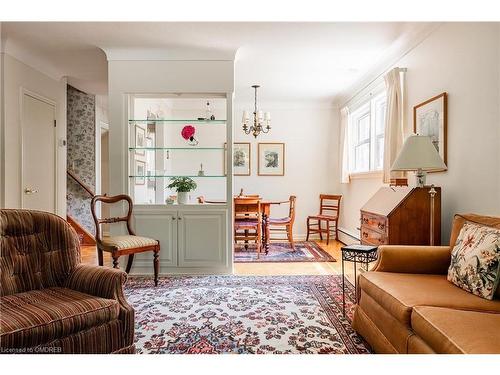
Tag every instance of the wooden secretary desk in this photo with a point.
(400, 216)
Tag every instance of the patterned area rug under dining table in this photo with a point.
(243, 315)
(282, 252)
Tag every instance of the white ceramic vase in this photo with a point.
(182, 197)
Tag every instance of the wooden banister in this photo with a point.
(80, 182)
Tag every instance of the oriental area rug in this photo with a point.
(243, 315)
(282, 252)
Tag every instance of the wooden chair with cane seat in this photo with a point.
(248, 221)
(329, 211)
(130, 244)
(284, 224)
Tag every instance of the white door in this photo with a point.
(38, 154)
(201, 238)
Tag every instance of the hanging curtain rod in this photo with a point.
(401, 70)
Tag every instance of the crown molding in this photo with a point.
(285, 104)
(23, 55)
(391, 56)
(168, 54)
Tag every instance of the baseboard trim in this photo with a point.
(346, 236)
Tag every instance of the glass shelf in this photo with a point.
(175, 148)
(167, 121)
(168, 176)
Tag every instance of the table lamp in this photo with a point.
(419, 154)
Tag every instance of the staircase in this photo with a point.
(85, 238)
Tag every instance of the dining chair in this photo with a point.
(329, 211)
(283, 224)
(130, 244)
(248, 221)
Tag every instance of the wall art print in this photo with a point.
(140, 139)
(430, 118)
(140, 170)
(271, 159)
(241, 159)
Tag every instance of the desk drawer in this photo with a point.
(370, 236)
(374, 222)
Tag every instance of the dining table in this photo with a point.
(266, 210)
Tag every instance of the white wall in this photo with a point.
(2, 122)
(309, 132)
(462, 59)
(17, 76)
(101, 120)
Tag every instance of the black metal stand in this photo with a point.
(358, 254)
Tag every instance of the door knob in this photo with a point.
(29, 191)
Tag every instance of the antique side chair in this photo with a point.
(130, 244)
(329, 211)
(283, 224)
(248, 221)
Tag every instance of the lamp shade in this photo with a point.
(418, 152)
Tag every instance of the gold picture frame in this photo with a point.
(140, 139)
(242, 162)
(140, 170)
(430, 118)
(271, 159)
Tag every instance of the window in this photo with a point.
(366, 135)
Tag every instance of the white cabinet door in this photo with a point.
(202, 239)
(162, 226)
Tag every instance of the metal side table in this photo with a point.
(358, 254)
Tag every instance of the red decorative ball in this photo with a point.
(188, 132)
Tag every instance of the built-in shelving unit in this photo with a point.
(158, 152)
(151, 98)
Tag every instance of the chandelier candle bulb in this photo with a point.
(267, 116)
(246, 116)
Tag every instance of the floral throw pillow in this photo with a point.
(475, 260)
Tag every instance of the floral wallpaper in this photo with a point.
(81, 154)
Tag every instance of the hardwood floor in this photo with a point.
(89, 256)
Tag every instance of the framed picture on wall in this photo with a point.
(140, 139)
(241, 159)
(271, 159)
(430, 118)
(140, 170)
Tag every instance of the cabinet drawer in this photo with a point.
(374, 222)
(368, 235)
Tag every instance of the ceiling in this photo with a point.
(291, 61)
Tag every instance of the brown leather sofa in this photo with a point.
(49, 302)
(407, 305)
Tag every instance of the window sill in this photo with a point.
(366, 175)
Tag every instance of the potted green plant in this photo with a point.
(183, 185)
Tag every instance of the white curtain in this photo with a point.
(344, 146)
(394, 122)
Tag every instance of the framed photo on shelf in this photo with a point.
(140, 170)
(271, 159)
(430, 118)
(140, 139)
(241, 159)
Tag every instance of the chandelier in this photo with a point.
(261, 122)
